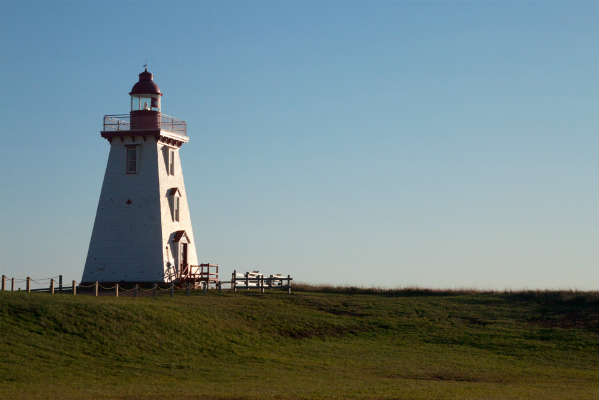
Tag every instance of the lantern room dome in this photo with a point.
(146, 85)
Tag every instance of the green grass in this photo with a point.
(319, 343)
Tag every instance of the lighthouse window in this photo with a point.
(131, 159)
(171, 164)
(144, 103)
(174, 196)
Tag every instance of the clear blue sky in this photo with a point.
(438, 144)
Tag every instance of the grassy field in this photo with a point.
(327, 344)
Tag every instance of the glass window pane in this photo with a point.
(135, 103)
(131, 160)
(172, 163)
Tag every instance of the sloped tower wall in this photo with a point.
(170, 227)
(133, 238)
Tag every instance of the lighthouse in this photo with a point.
(142, 232)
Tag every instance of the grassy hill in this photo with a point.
(330, 344)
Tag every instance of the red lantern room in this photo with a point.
(145, 117)
(145, 103)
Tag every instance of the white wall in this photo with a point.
(169, 226)
(128, 240)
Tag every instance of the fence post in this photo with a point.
(154, 289)
(288, 284)
(247, 280)
(205, 286)
(270, 281)
(172, 289)
(52, 287)
(136, 291)
(116, 290)
(60, 283)
(97, 288)
(74, 289)
(219, 286)
(262, 284)
(233, 283)
(28, 284)
(3, 283)
(12, 284)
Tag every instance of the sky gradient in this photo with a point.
(437, 144)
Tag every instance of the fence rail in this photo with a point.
(199, 275)
(205, 281)
(257, 280)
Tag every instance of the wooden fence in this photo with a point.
(54, 285)
(259, 281)
(246, 281)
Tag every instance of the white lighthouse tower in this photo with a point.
(142, 232)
